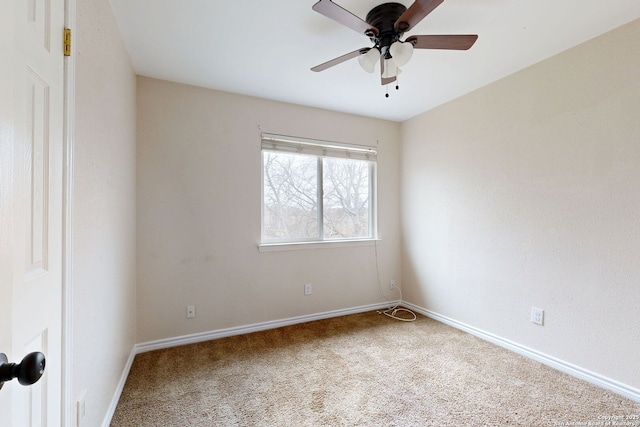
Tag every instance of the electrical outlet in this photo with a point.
(191, 311)
(392, 284)
(81, 409)
(307, 289)
(537, 316)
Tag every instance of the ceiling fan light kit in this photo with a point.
(401, 52)
(390, 69)
(385, 26)
(369, 60)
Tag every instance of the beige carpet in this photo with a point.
(358, 370)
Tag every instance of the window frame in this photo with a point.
(321, 150)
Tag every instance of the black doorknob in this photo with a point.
(28, 371)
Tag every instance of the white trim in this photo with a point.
(67, 403)
(568, 368)
(324, 244)
(319, 197)
(561, 365)
(256, 327)
(222, 333)
(111, 410)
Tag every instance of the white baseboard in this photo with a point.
(246, 329)
(116, 396)
(221, 333)
(568, 368)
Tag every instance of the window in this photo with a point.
(316, 191)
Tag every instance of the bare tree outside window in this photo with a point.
(316, 190)
(346, 198)
(290, 196)
(292, 203)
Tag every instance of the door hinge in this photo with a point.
(67, 42)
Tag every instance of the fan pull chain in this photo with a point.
(387, 88)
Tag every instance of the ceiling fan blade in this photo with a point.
(343, 16)
(387, 80)
(340, 59)
(454, 42)
(416, 12)
(384, 80)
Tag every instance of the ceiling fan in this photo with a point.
(385, 25)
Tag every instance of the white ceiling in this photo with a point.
(265, 48)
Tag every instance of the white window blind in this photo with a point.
(313, 147)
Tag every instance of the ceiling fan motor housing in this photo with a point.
(384, 17)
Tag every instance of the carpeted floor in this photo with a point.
(359, 370)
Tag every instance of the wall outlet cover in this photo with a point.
(191, 311)
(537, 316)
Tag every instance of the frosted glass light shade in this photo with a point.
(390, 69)
(401, 52)
(369, 60)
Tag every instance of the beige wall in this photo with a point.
(524, 193)
(103, 209)
(199, 193)
(527, 193)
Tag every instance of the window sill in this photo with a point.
(295, 246)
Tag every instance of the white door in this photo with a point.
(31, 160)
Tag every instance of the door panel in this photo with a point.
(37, 162)
(31, 112)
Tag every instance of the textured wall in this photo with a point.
(199, 204)
(103, 209)
(527, 193)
